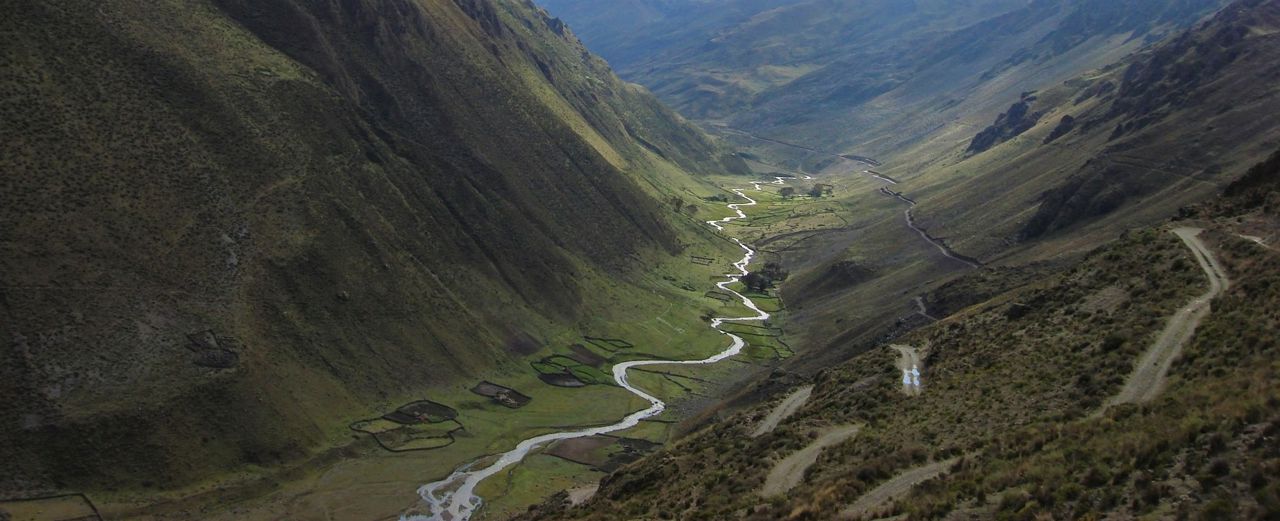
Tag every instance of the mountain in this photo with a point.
(1123, 145)
(1092, 330)
(1045, 176)
(868, 77)
(232, 226)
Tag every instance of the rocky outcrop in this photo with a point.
(1012, 123)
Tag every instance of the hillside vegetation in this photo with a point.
(1013, 403)
(233, 227)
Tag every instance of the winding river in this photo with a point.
(454, 498)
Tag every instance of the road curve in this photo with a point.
(896, 487)
(1149, 376)
(789, 406)
(454, 499)
(937, 243)
(790, 471)
(1255, 239)
(922, 310)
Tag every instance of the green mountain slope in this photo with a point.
(233, 226)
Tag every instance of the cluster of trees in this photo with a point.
(678, 205)
(765, 278)
(816, 191)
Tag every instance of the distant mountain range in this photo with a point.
(1121, 145)
(863, 76)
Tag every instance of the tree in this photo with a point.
(756, 281)
(786, 192)
(764, 279)
(676, 203)
(774, 271)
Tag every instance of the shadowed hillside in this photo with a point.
(231, 226)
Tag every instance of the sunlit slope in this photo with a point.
(1120, 146)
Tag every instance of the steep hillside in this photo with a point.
(1013, 412)
(1124, 145)
(233, 226)
(1061, 171)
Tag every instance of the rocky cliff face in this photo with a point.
(228, 224)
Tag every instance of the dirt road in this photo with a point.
(789, 406)
(922, 310)
(937, 243)
(1148, 377)
(790, 471)
(896, 487)
(580, 495)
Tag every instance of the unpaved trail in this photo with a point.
(1148, 377)
(790, 471)
(879, 176)
(789, 406)
(1256, 240)
(922, 310)
(896, 487)
(909, 363)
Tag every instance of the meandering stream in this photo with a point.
(454, 498)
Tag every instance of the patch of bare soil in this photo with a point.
(586, 451)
